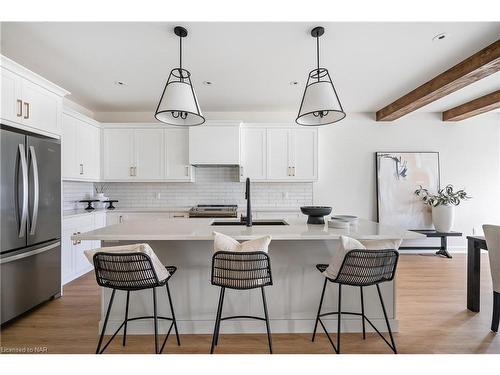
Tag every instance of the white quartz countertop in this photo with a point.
(79, 212)
(200, 229)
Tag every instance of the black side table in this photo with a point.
(441, 250)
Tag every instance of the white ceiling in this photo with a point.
(250, 64)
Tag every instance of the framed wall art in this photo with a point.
(398, 175)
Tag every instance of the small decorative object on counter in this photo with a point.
(100, 190)
(89, 203)
(443, 205)
(338, 224)
(351, 219)
(110, 204)
(316, 213)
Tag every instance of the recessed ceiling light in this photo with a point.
(440, 37)
(294, 83)
(208, 83)
(119, 83)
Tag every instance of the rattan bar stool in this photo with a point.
(131, 272)
(241, 271)
(360, 268)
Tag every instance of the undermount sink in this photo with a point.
(254, 222)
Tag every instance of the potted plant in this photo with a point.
(443, 205)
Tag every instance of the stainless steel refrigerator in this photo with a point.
(30, 220)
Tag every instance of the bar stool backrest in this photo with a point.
(241, 270)
(367, 267)
(492, 235)
(125, 271)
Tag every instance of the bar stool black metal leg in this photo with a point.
(387, 320)
(173, 314)
(339, 318)
(126, 318)
(496, 312)
(105, 322)
(220, 317)
(155, 318)
(319, 310)
(217, 319)
(269, 341)
(363, 313)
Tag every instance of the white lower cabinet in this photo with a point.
(74, 262)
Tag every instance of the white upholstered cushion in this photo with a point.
(223, 242)
(159, 268)
(492, 235)
(347, 244)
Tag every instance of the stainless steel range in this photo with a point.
(214, 210)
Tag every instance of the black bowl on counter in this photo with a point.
(316, 213)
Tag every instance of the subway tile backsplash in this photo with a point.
(214, 185)
(74, 191)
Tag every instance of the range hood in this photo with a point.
(216, 143)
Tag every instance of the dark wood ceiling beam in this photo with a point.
(474, 107)
(472, 69)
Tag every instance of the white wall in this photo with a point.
(469, 156)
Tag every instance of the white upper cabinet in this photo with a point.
(12, 105)
(89, 150)
(29, 101)
(143, 153)
(253, 153)
(304, 154)
(80, 147)
(279, 153)
(148, 154)
(279, 166)
(177, 155)
(41, 108)
(118, 154)
(70, 159)
(215, 144)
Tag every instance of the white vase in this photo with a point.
(443, 217)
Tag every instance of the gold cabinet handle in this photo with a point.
(187, 170)
(27, 115)
(20, 108)
(81, 168)
(131, 171)
(293, 171)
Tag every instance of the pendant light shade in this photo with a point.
(178, 103)
(320, 103)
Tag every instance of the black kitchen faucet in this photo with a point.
(248, 219)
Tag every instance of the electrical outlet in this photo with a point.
(158, 195)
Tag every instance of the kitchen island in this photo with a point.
(293, 299)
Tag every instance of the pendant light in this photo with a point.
(178, 103)
(320, 103)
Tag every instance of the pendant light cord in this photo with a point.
(180, 58)
(317, 54)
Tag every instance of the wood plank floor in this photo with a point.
(431, 303)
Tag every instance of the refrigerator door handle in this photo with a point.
(36, 190)
(24, 172)
(29, 253)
